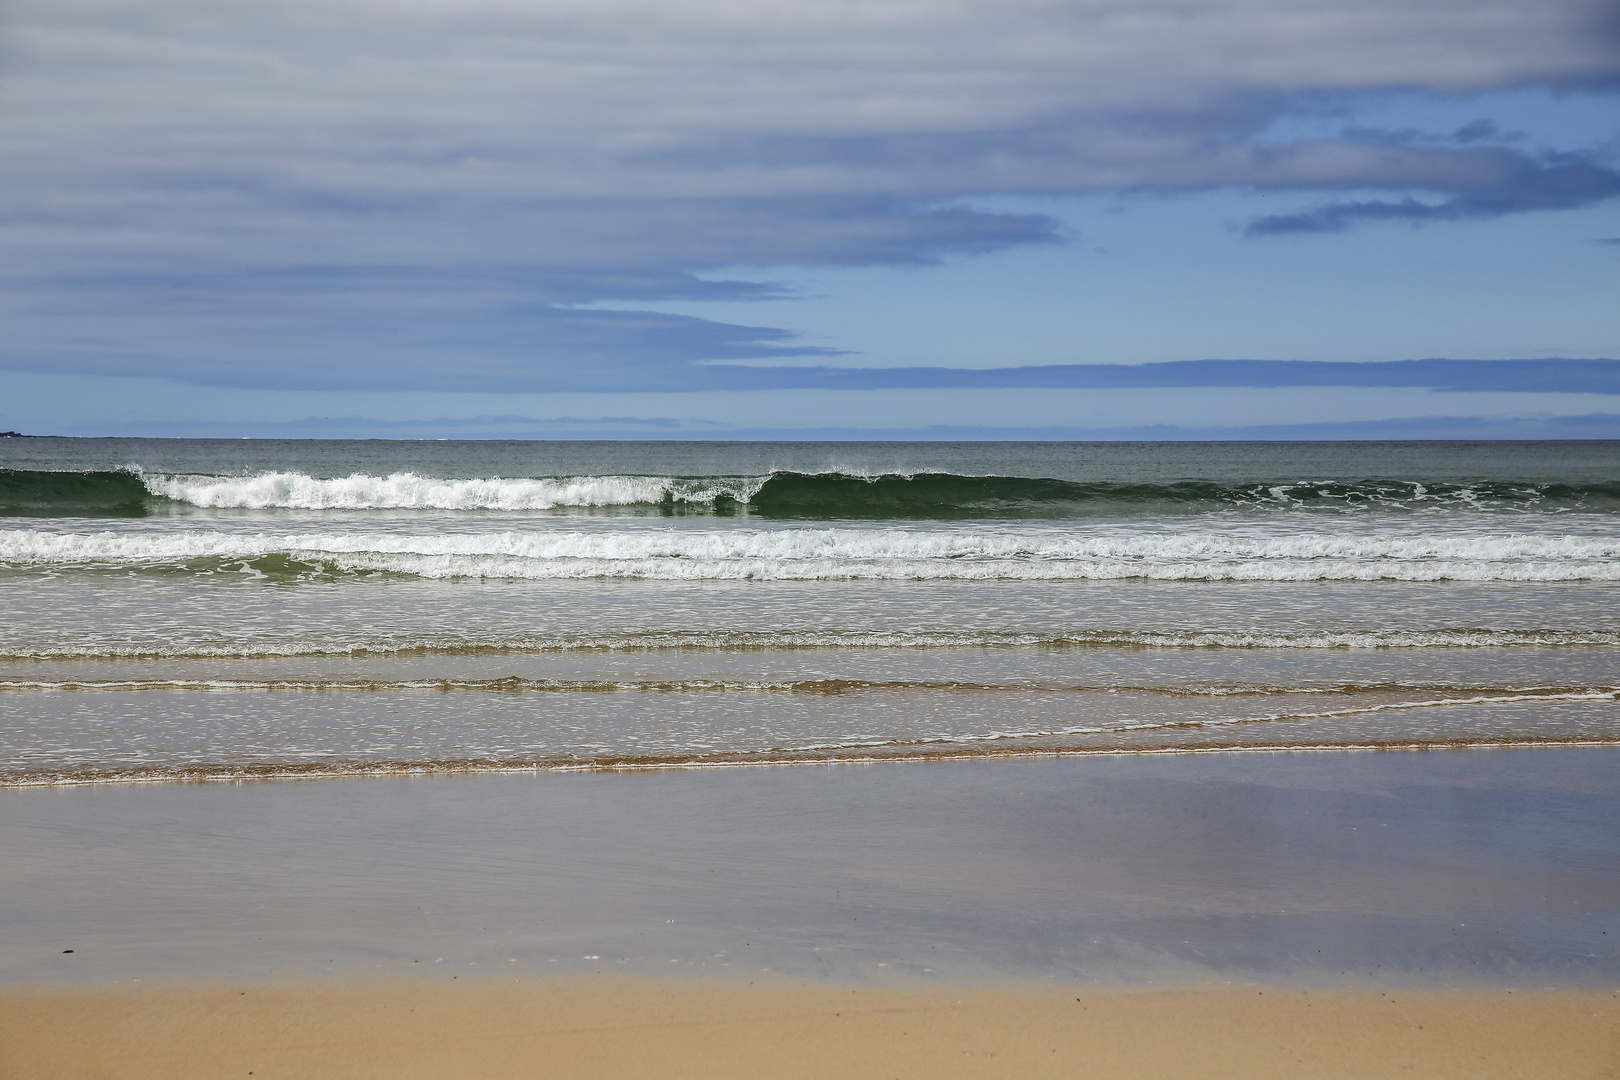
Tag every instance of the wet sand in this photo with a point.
(1434, 913)
(625, 1027)
(1437, 869)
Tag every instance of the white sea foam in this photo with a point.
(408, 491)
(856, 554)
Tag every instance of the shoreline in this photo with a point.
(621, 1026)
(404, 770)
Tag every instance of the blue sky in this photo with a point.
(541, 218)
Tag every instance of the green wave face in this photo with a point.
(30, 493)
(926, 495)
(945, 495)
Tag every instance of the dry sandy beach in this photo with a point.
(625, 1027)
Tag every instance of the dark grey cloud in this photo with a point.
(1596, 376)
(506, 426)
(1505, 183)
(1485, 130)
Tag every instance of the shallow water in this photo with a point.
(181, 608)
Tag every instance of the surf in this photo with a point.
(782, 494)
(848, 553)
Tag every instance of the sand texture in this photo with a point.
(623, 1027)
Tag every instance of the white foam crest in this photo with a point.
(409, 491)
(859, 554)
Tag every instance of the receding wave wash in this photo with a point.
(196, 609)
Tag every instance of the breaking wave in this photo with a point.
(832, 495)
(408, 491)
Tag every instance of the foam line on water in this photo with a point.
(851, 554)
(789, 640)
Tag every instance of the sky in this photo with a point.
(811, 218)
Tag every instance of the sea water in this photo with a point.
(218, 608)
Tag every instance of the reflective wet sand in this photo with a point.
(1314, 869)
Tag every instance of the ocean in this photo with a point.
(215, 609)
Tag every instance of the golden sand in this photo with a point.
(622, 1027)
